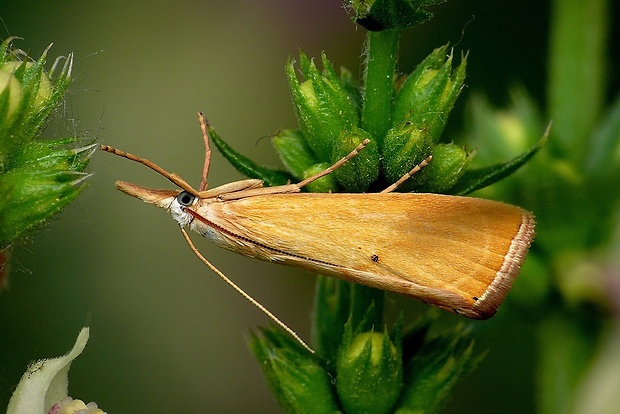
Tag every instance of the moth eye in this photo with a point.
(185, 199)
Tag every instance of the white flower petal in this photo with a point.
(45, 382)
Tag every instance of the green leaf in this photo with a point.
(476, 179)
(566, 343)
(248, 167)
(604, 156)
(577, 92)
(294, 152)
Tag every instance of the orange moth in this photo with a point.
(458, 253)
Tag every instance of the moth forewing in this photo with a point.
(457, 253)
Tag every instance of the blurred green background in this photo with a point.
(166, 334)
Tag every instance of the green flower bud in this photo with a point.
(428, 95)
(325, 184)
(404, 147)
(295, 376)
(44, 88)
(323, 106)
(243, 164)
(434, 370)
(369, 374)
(37, 177)
(445, 169)
(332, 304)
(362, 170)
(40, 187)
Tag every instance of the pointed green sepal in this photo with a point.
(298, 380)
(248, 167)
(332, 301)
(325, 184)
(353, 89)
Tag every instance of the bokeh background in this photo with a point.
(166, 334)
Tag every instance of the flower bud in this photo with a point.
(445, 169)
(43, 90)
(296, 377)
(434, 370)
(34, 194)
(363, 169)
(369, 373)
(325, 184)
(428, 95)
(324, 108)
(37, 177)
(70, 406)
(404, 147)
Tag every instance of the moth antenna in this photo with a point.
(204, 127)
(242, 293)
(175, 179)
(407, 176)
(334, 166)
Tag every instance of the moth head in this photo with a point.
(174, 201)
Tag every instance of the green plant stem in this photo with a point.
(379, 82)
(576, 72)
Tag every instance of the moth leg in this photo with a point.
(204, 124)
(408, 175)
(334, 166)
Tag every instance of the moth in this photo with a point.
(461, 254)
